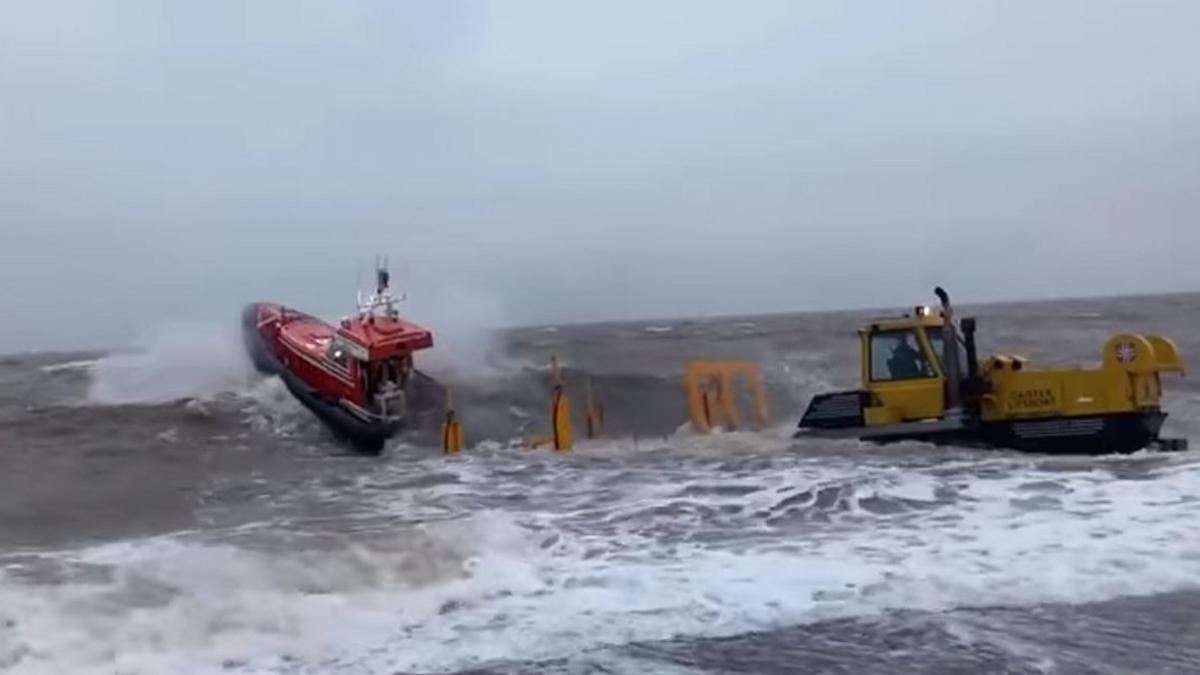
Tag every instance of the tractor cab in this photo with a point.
(908, 375)
(904, 372)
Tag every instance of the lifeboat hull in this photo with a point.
(263, 348)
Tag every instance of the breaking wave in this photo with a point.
(626, 554)
(176, 361)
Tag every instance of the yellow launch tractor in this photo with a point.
(914, 388)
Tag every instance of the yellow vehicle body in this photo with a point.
(1127, 381)
(913, 389)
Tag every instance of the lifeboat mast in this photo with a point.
(382, 302)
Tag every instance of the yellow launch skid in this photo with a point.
(712, 394)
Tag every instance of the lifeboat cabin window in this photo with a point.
(897, 355)
(339, 354)
(388, 373)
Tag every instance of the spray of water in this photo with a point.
(191, 359)
(176, 360)
(466, 325)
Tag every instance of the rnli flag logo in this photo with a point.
(1126, 352)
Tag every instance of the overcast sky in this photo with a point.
(565, 161)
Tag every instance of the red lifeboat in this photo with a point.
(355, 377)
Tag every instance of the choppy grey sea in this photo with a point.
(164, 510)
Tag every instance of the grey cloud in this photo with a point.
(561, 161)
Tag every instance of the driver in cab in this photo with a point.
(906, 362)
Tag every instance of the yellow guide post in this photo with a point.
(560, 412)
(452, 433)
(595, 413)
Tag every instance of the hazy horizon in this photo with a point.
(562, 163)
(208, 324)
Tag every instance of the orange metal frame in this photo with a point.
(712, 394)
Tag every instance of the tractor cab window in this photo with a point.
(938, 343)
(897, 355)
